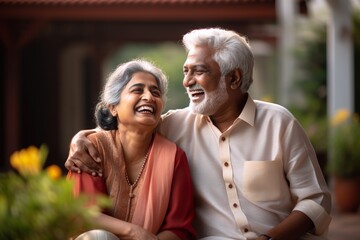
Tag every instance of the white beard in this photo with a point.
(212, 101)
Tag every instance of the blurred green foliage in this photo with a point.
(36, 204)
(311, 76)
(356, 38)
(310, 80)
(345, 155)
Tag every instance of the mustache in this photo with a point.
(195, 87)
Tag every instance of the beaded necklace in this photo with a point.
(134, 184)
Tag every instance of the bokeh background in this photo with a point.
(55, 56)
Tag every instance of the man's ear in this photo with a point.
(235, 79)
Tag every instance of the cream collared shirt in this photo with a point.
(250, 177)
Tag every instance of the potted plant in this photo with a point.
(344, 164)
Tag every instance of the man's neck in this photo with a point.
(226, 115)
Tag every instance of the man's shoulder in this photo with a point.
(173, 112)
(178, 115)
(177, 122)
(270, 108)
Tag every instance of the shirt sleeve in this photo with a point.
(306, 180)
(180, 213)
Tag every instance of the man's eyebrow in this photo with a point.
(196, 66)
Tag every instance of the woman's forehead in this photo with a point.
(143, 78)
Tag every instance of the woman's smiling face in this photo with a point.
(140, 102)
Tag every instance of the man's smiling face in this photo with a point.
(205, 86)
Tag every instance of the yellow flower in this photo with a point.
(53, 171)
(340, 117)
(29, 161)
(26, 161)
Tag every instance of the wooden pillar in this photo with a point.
(14, 44)
(11, 90)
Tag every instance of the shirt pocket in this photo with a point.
(263, 180)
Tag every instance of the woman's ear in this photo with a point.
(113, 111)
(235, 79)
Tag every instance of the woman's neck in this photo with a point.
(135, 145)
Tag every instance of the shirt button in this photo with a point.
(223, 138)
(226, 164)
(230, 185)
(235, 205)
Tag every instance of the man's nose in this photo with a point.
(188, 80)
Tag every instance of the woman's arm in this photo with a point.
(93, 186)
(167, 235)
(122, 229)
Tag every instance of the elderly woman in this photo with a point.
(145, 175)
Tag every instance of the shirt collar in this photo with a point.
(247, 115)
(248, 112)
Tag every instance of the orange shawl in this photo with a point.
(154, 196)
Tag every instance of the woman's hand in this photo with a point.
(83, 156)
(139, 233)
(124, 230)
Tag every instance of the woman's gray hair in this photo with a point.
(115, 84)
(231, 51)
